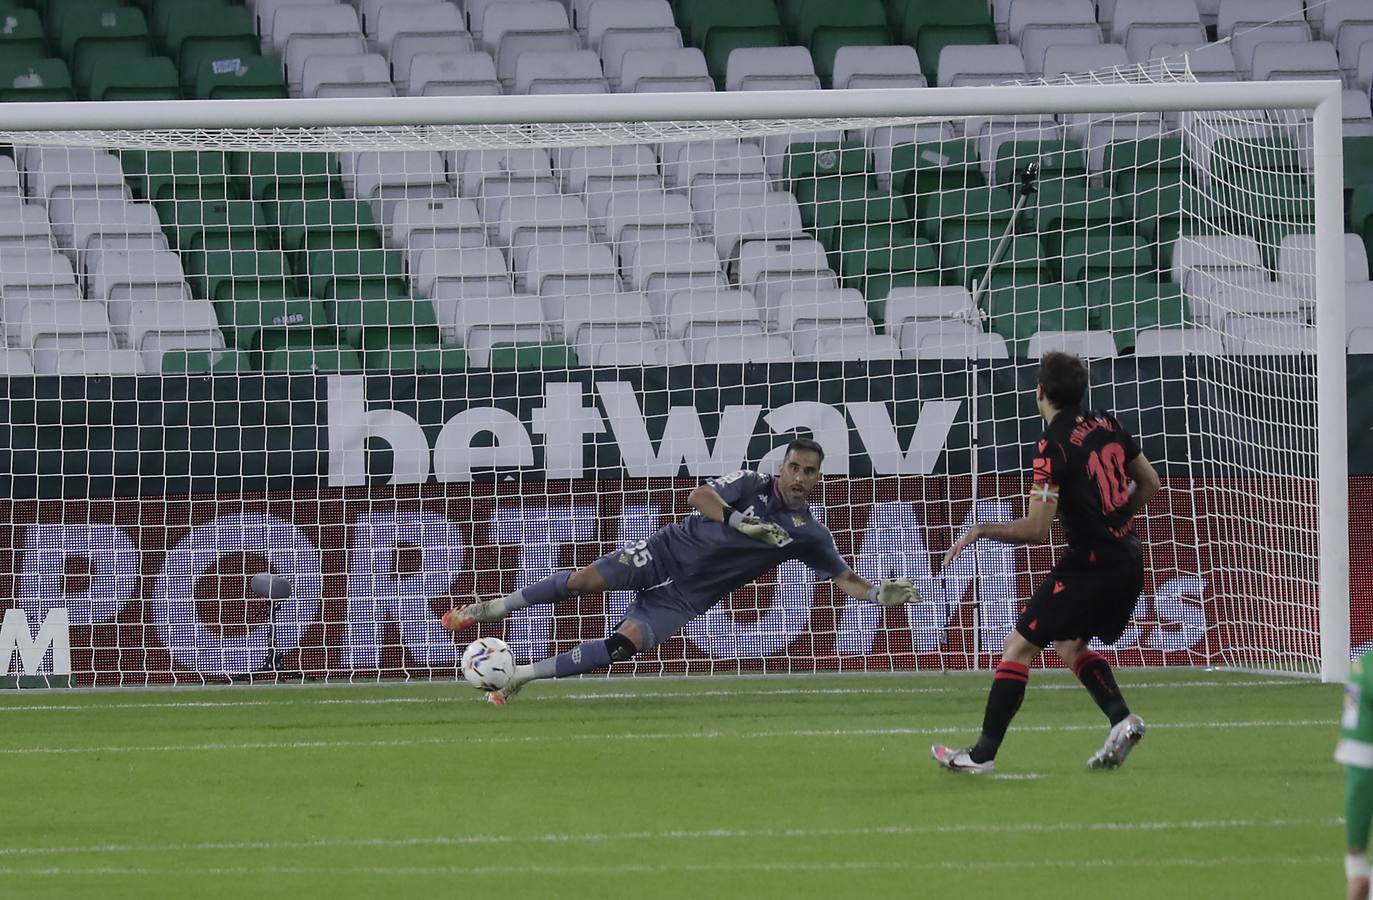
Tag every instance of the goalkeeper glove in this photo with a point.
(752, 526)
(893, 592)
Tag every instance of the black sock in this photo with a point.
(1003, 700)
(1095, 673)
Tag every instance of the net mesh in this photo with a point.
(409, 367)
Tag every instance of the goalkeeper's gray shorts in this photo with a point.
(660, 607)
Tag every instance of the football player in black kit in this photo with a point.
(1089, 471)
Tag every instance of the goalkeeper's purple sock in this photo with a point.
(549, 590)
(1003, 700)
(1092, 669)
(585, 657)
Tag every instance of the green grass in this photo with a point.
(729, 787)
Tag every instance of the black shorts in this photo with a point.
(1088, 594)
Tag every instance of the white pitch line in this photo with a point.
(646, 694)
(671, 835)
(515, 869)
(459, 740)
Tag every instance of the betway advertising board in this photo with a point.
(388, 500)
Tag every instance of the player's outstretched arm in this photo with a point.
(705, 500)
(1033, 529)
(887, 592)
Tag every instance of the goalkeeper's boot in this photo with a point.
(507, 693)
(960, 761)
(1122, 739)
(481, 611)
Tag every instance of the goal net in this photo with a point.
(409, 365)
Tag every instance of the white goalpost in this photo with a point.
(412, 351)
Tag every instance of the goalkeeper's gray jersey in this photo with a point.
(708, 559)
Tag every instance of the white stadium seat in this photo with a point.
(512, 29)
(1313, 60)
(559, 72)
(466, 272)
(659, 70)
(1086, 344)
(570, 268)
(346, 75)
(980, 64)
(634, 18)
(25, 225)
(877, 67)
(1245, 43)
(1178, 342)
(1246, 14)
(770, 69)
(481, 324)
(435, 223)
(453, 75)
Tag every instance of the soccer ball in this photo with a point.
(488, 664)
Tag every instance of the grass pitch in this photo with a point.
(730, 787)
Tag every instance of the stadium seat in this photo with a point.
(1244, 43)
(702, 314)
(1224, 303)
(747, 217)
(24, 226)
(46, 327)
(1235, 258)
(1140, 24)
(947, 339)
(204, 362)
(660, 268)
(1043, 46)
(34, 81)
(383, 178)
(434, 223)
(740, 348)
(768, 269)
(148, 78)
(400, 28)
(90, 37)
(634, 20)
(240, 78)
(1212, 62)
(346, 75)
(1246, 14)
(1297, 262)
(15, 363)
(337, 358)
(453, 75)
(21, 37)
(1072, 59)
(662, 70)
(1313, 60)
(654, 216)
(526, 222)
(569, 268)
(176, 174)
(92, 362)
(377, 323)
(1263, 337)
(483, 324)
(1125, 306)
(570, 316)
(974, 65)
(201, 34)
(1038, 24)
(559, 72)
(364, 274)
(593, 171)
(102, 225)
(1342, 20)
(460, 273)
(877, 67)
(1086, 344)
(213, 275)
(1153, 342)
(511, 29)
(770, 68)
(931, 25)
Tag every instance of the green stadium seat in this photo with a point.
(1099, 254)
(355, 275)
(254, 290)
(21, 37)
(312, 359)
(149, 78)
(1127, 305)
(240, 78)
(698, 18)
(204, 362)
(1063, 207)
(877, 258)
(959, 216)
(1056, 159)
(265, 327)
(507, 356)
(1360, 213)
(967, 262)
(853, 211)
(1266, 189)
(41, 80)
(311, 225)
(926, 168)
(931, 25)
(1017, 312)
(213, 224)
(379, 324)
(813, 17)
(159, 12)
(1358, 163)
(421, 360)
(219, 34)
(823, 175)
(90, 37)
(210, 273)
(176, 174)
(278, 177)
(53, 12)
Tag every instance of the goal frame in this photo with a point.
(1321, 98)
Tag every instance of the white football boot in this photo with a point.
(960, 761)
(1122, 739)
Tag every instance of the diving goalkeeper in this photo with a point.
(748, 525)
(1355, 751)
